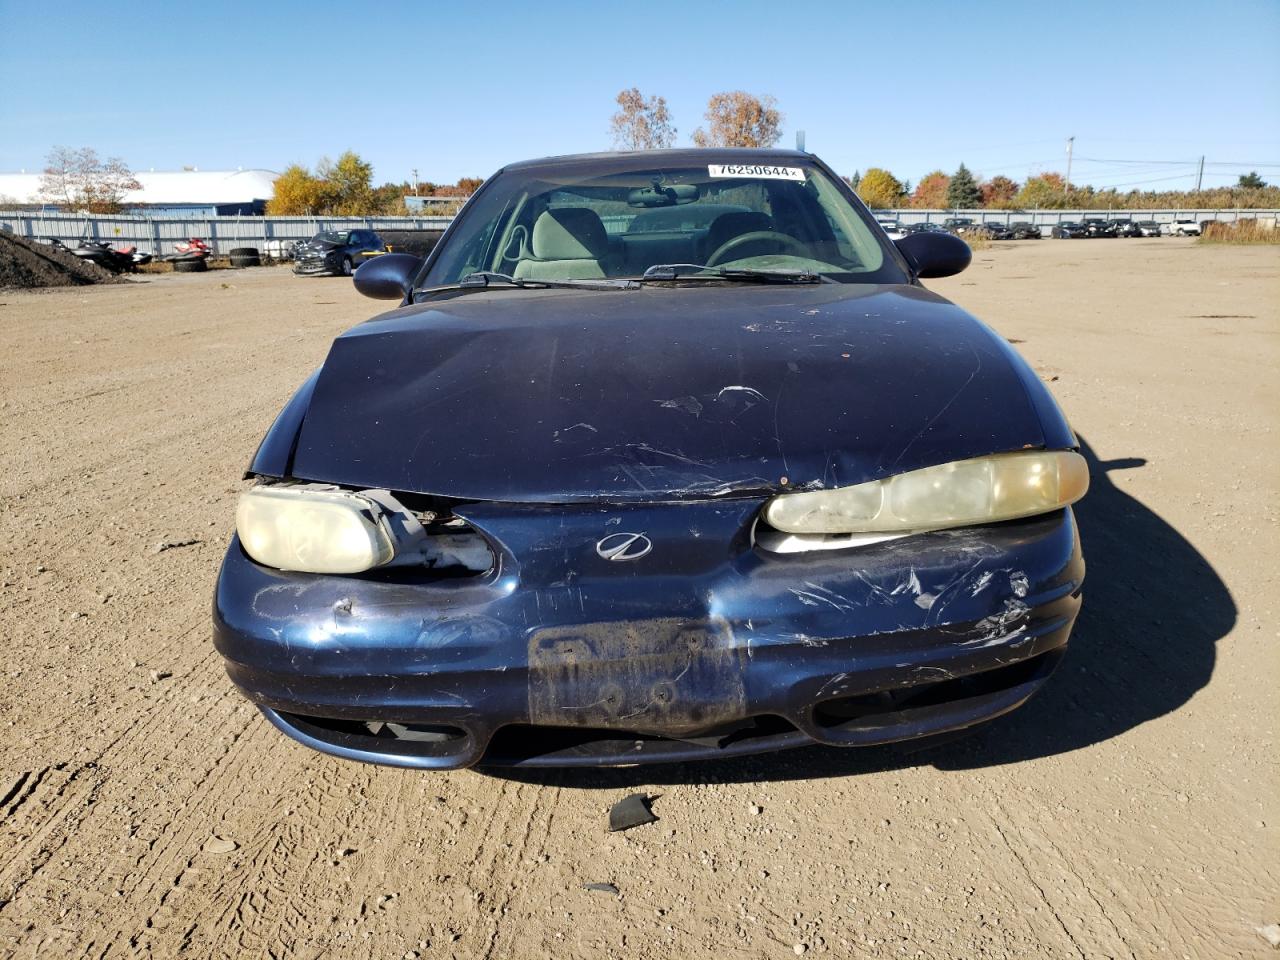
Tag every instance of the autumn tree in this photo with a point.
(739, 119)
(962, 191)
(1047, 191)
(337, 188)
(931, 191)
(297, 192)
(879, 188)
(78, 180)
(998, 192)
(642, 123)
(348, 184)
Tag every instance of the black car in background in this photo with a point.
(336, 253)
(911, 228)
(991, 230)
(1125, 228)
(1069, 230)
(1099, 228)
(1024, 230)
(958, 225)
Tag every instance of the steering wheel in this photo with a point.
(785, 242)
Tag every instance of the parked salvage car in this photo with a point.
(893, 228)
(719, 478)
(992, 230)
(1024, 230)
(1099, 228)
(1182, 228)
(958, 225)
(1069, 230)
(1148, 228)
(923, 228)
(1125, 228)
(336, 252)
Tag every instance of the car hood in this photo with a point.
(665, 393)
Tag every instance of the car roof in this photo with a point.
(619, 161)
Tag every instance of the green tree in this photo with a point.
(348, 184)
(879, 189)
(1251, 181)
(962, 191)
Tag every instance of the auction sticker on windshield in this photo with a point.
(754, 170)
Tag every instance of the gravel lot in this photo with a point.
(1128, 811)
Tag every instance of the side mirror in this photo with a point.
(388, 277)
(934, 254)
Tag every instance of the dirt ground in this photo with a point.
(1128, 811)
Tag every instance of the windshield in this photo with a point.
(333, 236)
(573, 222)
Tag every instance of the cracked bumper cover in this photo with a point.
(707, 647)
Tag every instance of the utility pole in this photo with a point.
(1200, 173)
(1067, 188)
(415, 181)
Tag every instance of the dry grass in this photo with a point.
(977, 240)
(1242, 231)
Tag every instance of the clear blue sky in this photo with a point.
(459, 89)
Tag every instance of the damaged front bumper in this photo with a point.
(706, 646)
(317, 267)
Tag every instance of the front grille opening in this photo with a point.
(520, 742)
(383, 736)
(859, 710)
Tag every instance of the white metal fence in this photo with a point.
(1047, 218)
(159, 234)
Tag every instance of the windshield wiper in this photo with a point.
(679, 271)
(492, 280)
(483, 278)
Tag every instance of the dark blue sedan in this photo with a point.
(662, 456)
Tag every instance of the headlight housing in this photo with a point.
(316, 529)
(963, 493)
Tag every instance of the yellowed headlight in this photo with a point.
(967, 492)
(313, 530)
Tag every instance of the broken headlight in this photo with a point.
(321, 529)
(967, 492)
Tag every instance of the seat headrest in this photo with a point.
(729, 225)
(569, 233)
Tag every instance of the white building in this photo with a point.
(207, 192)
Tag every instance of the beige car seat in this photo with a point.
(568, 243)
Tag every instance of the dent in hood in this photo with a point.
(665, 394)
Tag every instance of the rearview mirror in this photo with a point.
(934, 254)
(388, 277)
(663, 195)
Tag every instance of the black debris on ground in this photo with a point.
(632, 811)
(25, 264)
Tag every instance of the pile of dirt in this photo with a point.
(25, 264)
